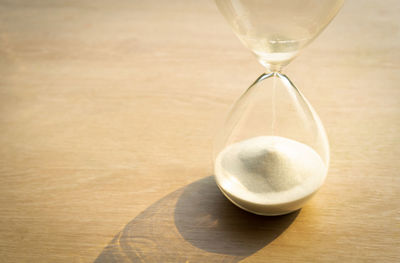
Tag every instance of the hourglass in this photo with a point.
(272, 154)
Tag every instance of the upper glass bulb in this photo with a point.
(275, 31)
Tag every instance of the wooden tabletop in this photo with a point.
(107, 115)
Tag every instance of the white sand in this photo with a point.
(269, 174)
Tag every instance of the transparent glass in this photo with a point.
(272, 154)
(277, 30)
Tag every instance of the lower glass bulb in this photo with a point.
(272, 155)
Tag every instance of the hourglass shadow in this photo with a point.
(194, 224)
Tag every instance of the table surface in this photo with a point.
(108, 111)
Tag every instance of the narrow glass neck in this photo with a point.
(279, 75)
(273, 65)
(273, 69)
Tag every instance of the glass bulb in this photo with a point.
(275, 31)
(272, 154)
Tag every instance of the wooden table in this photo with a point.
(107, 114)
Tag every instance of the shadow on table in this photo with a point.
(195, 224)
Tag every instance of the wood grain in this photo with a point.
(107, 115)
